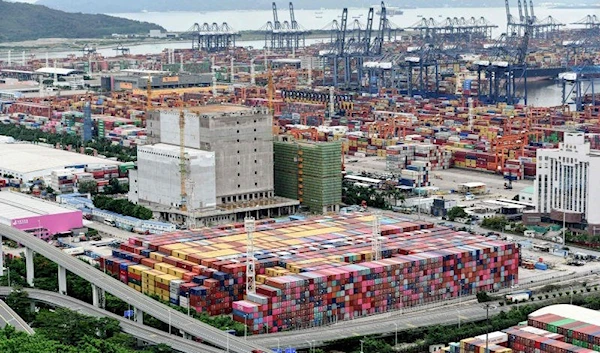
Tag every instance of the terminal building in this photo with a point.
(564, 189)
(130, 79)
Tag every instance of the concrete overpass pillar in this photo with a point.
(98, 296)
(62, 280)
(29, 265)
(138, 316)
(1, 257)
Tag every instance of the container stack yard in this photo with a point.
(545, 331)
(314, 271)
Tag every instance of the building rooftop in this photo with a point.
(174, 149)
(217, 108)
(473, 184)
(58, 71)
(571, 312)
(15, 205)
(27, 158)
(527, 190)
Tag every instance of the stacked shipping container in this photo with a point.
(316, 271)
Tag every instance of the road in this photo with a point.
(138, 300)
(9, 317)
(140, 331)
(443, 314)
(112, 232)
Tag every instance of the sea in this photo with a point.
(541, 93)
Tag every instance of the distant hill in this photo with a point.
(19, 21)
(116, 6)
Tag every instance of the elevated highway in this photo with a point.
(9, 317)
(133, 328)
(102, 282)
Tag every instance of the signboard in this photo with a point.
(170, 79)
(125, 85)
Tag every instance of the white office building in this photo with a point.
(566, 187)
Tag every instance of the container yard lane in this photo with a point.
(138, 300)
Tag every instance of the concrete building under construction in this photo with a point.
(241, 140)
(310, 172)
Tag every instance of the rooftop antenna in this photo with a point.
(250, 226)
(55, 74)
(252, 73)
(214, 77)
(331, 102)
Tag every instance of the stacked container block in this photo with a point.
(314, 271)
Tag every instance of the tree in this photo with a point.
(456, 212)
(19, 301)
(496, 223)
(87, 186)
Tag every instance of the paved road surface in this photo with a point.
(112, 232)
(9, 317)
(140, 331)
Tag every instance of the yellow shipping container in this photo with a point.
(157, 256)
(178, 272)
(162, 266)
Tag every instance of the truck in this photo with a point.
(516, 297)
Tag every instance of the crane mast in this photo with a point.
(182, 158)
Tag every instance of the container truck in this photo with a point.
(519, 296)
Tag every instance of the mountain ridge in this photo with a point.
(20, 21)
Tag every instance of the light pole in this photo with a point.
(310, 349)
(188, 302)
(246, 327)
(278, 345)
(487, 307)
(571, 288)
(458, 315)
(227, 342)
(169, 321)
(396, 336)
(361, 346)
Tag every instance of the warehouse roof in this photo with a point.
(473, 184)
(23, 158)
(58, 71)
(571, 312)
(15, 205)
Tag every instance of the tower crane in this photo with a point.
(250, 225)
(183, 169)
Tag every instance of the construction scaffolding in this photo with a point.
(309, 172)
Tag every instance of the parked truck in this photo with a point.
(516, 297)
